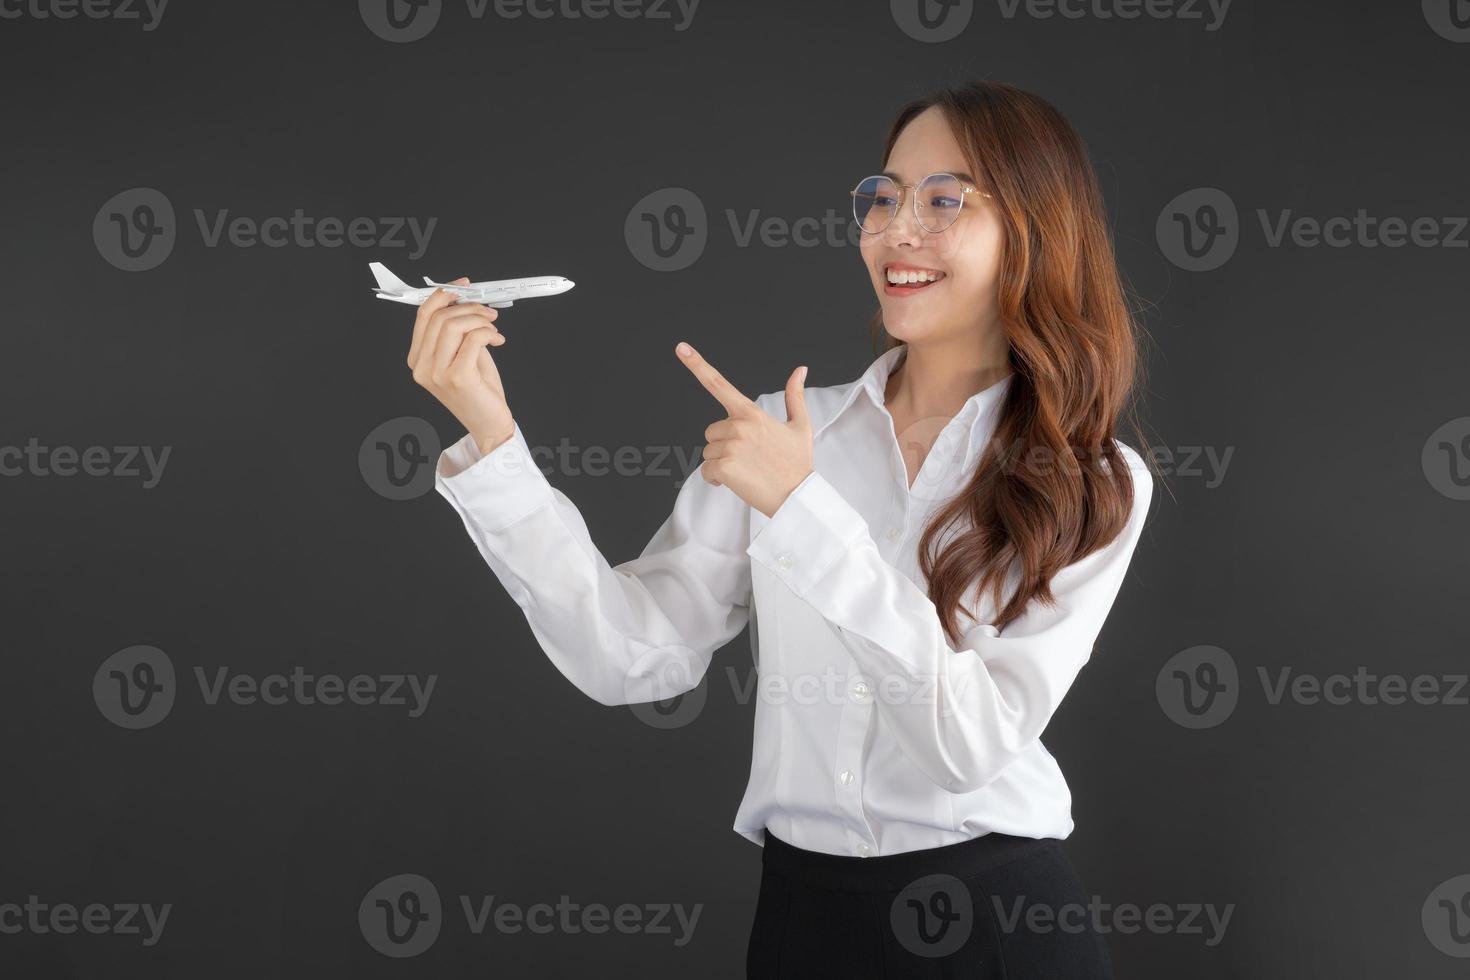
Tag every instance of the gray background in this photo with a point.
(1326, 547)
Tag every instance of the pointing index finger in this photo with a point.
(714, 382)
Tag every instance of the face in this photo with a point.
(958, 267)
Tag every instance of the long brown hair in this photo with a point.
(1051, 487)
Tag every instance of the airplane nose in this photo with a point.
(567, 284)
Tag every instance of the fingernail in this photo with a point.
(684, 349)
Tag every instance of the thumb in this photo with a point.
(796, 397)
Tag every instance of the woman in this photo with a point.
(928, 553)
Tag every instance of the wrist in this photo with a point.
(489, 443)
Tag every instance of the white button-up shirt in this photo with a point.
(873, 734)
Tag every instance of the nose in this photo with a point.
(904, 226)
(566, 284)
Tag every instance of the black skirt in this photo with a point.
(996, 906)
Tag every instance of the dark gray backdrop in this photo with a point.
(1307, 398)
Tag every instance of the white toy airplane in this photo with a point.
(499, 293)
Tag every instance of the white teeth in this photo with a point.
(910, 275)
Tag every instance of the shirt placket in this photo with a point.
(858, 708)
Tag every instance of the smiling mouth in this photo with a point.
(903, 280)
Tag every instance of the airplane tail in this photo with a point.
(386, 280)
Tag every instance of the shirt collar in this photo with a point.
(976, 418)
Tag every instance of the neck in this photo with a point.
(937, 377)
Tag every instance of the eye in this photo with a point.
(945, 203)
(883, 200)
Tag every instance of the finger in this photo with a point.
(465, 367)
(425, 363)
(796, 397)
(439, 299)
(714, 382)
(717, 450)
(723, 429)
(451, 335)
(437, 320)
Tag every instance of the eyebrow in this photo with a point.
(958, 173)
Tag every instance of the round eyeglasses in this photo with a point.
(938, 199)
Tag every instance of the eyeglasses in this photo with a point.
(938, 199)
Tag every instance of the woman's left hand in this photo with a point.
(758, 457)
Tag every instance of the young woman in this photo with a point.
(926, 556)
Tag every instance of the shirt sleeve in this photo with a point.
(960, 714)
(644, 630)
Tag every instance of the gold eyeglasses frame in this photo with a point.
(903, 194)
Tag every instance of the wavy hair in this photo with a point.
(1051, 487)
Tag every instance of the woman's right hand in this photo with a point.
(449, 357)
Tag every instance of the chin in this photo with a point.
(909, 325)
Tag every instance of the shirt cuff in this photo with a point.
(493, 490)
(812, 530)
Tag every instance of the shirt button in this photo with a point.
(860, 691)
(846, 777)
(783, 560)
(864, 850)
(891, 534)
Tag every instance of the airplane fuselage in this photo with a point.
(496, 292)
